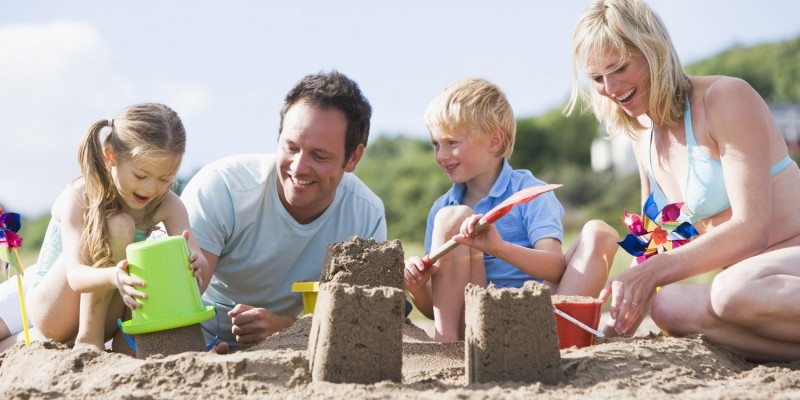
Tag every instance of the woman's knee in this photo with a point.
(671, 313)
(731, 299)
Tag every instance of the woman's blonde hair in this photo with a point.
(628, 27)
(476, 105)
(141, 131)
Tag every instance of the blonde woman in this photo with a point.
(710, 143)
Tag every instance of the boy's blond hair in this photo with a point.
(476, 105)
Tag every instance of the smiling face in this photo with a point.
(140, 181)
(626, 82)
(464, 158)
(310, 159)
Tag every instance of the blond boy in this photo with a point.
(472, 129)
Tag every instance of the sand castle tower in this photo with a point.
(356, 332)
(511, 335)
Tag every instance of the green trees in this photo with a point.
(556, 149)
(773, 69)
(403, 173)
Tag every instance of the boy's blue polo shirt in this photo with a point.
(524, 225)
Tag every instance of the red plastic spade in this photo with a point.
(523, 196)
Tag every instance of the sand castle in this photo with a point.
(356, 333)
(511, 335)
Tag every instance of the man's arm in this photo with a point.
(211, 264)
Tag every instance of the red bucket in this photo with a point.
(570, 334)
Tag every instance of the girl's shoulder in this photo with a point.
(170, 205)
(71, 198)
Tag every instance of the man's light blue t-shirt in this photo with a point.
(235, 213)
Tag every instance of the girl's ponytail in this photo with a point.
(100, 197)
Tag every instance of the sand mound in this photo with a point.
(653, 367)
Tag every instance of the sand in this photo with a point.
(652, 367)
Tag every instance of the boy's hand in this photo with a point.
(486, 240)
(416, 275)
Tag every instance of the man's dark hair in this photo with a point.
(333, 89)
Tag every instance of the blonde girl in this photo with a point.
(128, 166)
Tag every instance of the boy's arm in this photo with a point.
(418, 285)
(544, 261)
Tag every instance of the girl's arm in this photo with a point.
(173, 214)
(80, 276)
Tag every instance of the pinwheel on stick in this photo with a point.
(649, 234)
(10, 241)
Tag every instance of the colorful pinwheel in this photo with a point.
(10, 241)
(648, 235)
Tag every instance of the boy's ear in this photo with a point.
(496, 141)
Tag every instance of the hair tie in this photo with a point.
(111, 123)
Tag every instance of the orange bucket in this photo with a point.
(570, 334)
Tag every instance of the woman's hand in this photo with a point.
(126, 285)
(631, 292)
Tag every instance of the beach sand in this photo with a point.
(646, 366)
(651, 367)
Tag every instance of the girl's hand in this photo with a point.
(126, 285)
(416, 275)
(195, 266)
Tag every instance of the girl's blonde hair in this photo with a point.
(141, 131)
(476, 105)
(627, 27)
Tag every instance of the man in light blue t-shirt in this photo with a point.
(263, 221)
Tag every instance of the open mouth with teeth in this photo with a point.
(627, 97)
(301, 182)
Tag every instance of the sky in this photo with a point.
(225, 66)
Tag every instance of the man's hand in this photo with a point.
(252, 325)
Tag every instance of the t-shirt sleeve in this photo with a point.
(209, 204)
(379, 233)
(543, 218)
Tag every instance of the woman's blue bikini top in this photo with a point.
(704, 192)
